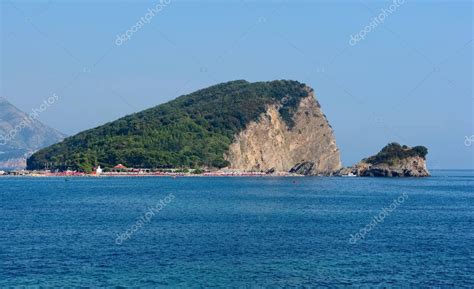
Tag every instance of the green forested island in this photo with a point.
(191, 131)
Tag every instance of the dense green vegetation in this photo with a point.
(192, 131)
(393, 152)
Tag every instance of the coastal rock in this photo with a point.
(408, 167)
(303, 168)
(393, 160)
(307, 148)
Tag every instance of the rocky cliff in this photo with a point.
(270, 145)
(393, 160)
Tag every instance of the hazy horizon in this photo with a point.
(409, 80)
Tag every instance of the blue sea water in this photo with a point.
(237, 232)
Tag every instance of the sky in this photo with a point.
(383, 71)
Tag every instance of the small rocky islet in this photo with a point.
(273, 127)
(394, 160)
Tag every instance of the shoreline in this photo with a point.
(136, 175)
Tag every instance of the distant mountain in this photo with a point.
(271, 126)
(21, 135)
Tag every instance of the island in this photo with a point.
(237, 126)
(394, 160)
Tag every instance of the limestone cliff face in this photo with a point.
(308, 147)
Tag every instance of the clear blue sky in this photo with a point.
(410, 80)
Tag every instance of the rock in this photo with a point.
(308, 148)
(303, 168)
(393, 160)
(270, 171)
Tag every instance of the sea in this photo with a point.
(165, 232)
